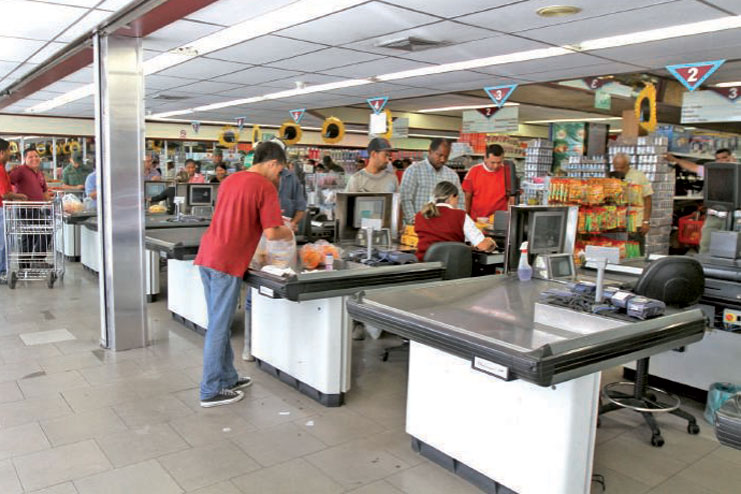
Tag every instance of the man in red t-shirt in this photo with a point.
(487, 184)
(248, 206)
(7, 194)
(28, 179)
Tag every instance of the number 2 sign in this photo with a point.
(500, 94)
(691, 75)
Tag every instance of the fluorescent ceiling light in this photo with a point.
(677, 31)
(561, 120)
(63, 99)
(728, 84)
(463, 107)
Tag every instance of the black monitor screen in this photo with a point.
(720, 182)
(152, 189)
(200, 195)
(561, 267)
(546, 232)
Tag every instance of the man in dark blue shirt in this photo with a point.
(292, 197)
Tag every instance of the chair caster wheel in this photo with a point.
(693, 428)
(657, 441)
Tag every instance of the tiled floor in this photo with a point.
(75, 419)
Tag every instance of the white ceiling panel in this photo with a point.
(381, 89)
(177, 34)
(202, 68)
(307, 78)
(46, 52)
(521, 16)
(63, 86)
(654, 17)
(730, 5)
(608, 68)
(76, 3)
(249, 92)
(448, 8)
(257, 75)
(6, 67)
(458, 81)
(208, 87)
(43, 95)
(18, 50)
(230, 12)
(84, 25)
(37, 20)
(328, 58)
(547, 64)
(376, 67)
(365, 21)
(84, 75)
(499, 45)
(265, 49)
(113, 4)
(444, 32)
(157, 81)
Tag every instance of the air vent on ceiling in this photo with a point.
(411, 43)
(170, 97)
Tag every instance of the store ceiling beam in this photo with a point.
(139, 19)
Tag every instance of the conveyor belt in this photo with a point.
(493, 318)
(317, 285)
(77, 218)
(156, 222)
(175, 243)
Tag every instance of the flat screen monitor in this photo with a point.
(200, 195)
(154, 188)
(722, 184)
(368, 207)
(546, 232)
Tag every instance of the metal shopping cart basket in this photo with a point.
(33, 230)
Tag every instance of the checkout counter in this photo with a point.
(504, 388)
(71, 243)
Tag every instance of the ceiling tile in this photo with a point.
(157, 81)
(177, 34)
(84, 75)
(520, 16)
(328, 58)
(499, 45)
(113, 4)
(447, 32)
(77, 3)
(653, 17)
(607, 68)
(729, 5)
(202, 68)
(37, 20)
(456, 81)
(208, 87)
(265, 49)
(6, 67)
(534, 66)
(446, 8)
(230, 12)
(63, 86)
(46, 52)
(249, 92)
(379, 89)
(376, 67)
(307, 78)
(365, 21)
(18, 50)
(84, 25)
(257, 75)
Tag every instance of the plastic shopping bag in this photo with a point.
(72, 204)
(718, 394)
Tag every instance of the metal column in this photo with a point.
(119, 137)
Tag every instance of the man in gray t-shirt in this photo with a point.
(375, 177)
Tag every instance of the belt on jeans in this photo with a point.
(719, 214)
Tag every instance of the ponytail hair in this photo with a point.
(443, 191)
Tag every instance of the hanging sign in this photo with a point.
(240, 123)
(732, 93)
(709, 106)
(500, 94)
(602, 100)
(290, 133)
(505, 120)
(400, 128)
(595, 83)
(297, 115)
(691, 75)
(228, 137)
(488, 112)
(196, 125)
(333, 130)
(645, 108)
(378, 104)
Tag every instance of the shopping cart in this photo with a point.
(32, 232)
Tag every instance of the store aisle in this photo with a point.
(76, 419)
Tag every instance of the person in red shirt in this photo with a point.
(248, 206)
(440, 221)
(28, 179)
(6, 194)
(487, 184)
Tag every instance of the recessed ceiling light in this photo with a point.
(728, 84)
(558, 11)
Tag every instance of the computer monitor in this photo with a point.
(546, 231)
(154, 188)
(368, 207)
(200, 195)
(723, 186)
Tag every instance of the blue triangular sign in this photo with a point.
(500, 94)
(297, 115)
(692, 75)
(378, 104)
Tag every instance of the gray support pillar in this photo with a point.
(119, 138)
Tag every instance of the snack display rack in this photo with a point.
(538, 158)
(586, 167)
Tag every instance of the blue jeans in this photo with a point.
(222, 294)
(2, 242)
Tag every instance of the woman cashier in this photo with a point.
(439, 221)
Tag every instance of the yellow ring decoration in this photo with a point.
(325, 130)
(256, 134)
(41, 148)
(225, 139)
(648, 92)
(389, 125)
(74, 147)
(65, 148)
(284, 128)
(13, 148)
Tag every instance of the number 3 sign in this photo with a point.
(500, 94)
(691, 75)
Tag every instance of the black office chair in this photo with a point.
(458, 262)
(678, 282)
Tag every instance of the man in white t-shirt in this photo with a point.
(375, 177)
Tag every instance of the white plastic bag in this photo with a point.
(72, 204)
